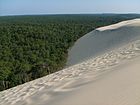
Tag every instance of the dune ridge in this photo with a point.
(134, 22)
(103, 40)
(40, 91)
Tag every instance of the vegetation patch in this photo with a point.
(35, 46)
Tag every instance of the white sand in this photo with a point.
(87, 83)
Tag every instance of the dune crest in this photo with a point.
(134, 22)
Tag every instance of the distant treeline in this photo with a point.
(35, 46)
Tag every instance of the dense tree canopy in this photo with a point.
(34, 46)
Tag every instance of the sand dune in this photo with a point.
(113, 78)
(104, 39)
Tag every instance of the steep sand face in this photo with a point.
(103, 40)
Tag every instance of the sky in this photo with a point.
(29, 7)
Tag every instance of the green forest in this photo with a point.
(35, 46)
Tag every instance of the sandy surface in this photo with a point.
(120, 87)
(77, 85)
(99, 42)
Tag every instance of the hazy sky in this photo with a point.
(21, 7)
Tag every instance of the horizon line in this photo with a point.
(71, 14)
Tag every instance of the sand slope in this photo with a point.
(120, 87)
(104, 39)
(83, 81)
